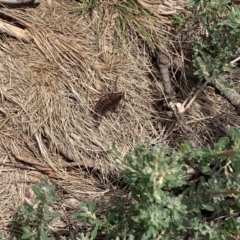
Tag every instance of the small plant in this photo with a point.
(178, 20)
(219, 39)
(87, 5)
(130, 14)
(1, 236)
(168, 203)
(33, 220)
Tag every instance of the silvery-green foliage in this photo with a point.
(33, 219)
(219, 37)
(166, 202)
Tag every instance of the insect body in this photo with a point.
(106, 102)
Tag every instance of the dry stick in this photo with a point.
(166, 80)
(33, 162)
(187, 104)
(16, 32)
(235, 60)
(186, 130)
(16, 165)
(15, 2)
(163, 67)
(230, 94)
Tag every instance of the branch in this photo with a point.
(163, 63)
(15, 1)
(14, 31)
(230, 94)
(32, 162)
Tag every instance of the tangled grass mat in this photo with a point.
(53, 76)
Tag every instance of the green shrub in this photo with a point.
(219, 38)
(166, 202)
(33, 220)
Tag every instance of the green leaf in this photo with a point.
(221, 144)
(208, 207)
(235, 136)
(204, 152)
(236, 163)
(94, 233)
(206, 169)
(28, 235)
(80, 215)
(52, 215)
(44, 234)
(186, 147)
(163, 223)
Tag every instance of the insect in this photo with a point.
(105, 103)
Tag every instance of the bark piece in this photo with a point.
(19, 33)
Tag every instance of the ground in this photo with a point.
(53, 76)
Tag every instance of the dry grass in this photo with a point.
(50, 85)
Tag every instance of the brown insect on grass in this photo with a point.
(106, 102)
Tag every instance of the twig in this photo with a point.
(28, 160)
(193, 98)
(235, 60)
(33, 163)
(15, 1)
(16, 165)
(230, 94)
(162, 63)
(186, 130)
(177, 108)
(14, 31)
